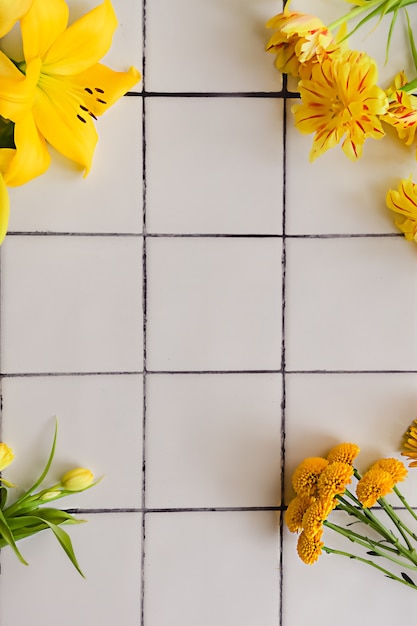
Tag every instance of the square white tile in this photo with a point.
(194, 45)
(108, 548)
(371, 410)
(214, 165)
(109, 200)
(213, 440)
(351, 304)
(71, 304)
(208, 568)
(214, 304)
(99, 427)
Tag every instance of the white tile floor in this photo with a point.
(202, 312)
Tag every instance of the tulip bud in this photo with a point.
(50, 495)
(6, 456)
(77, 479)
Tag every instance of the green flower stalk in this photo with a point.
(321, 486)
(28, 515)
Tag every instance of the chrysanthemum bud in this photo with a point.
(77, 479)
(6, 456)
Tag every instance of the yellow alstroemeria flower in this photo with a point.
(10, 12)
(402, 110)
(298, 39)
(404, 203)
(73, 88)
(341, 99)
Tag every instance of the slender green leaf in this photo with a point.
(3, 497)
(66, 544)
(7, 535)
(411, 39)
(407, 578)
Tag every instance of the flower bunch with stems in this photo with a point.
(372, 522)
(30, 513)
(341, 101)
(52, 94)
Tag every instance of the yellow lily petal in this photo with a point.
(4, 208)
(31, 157)
(60, 118)
(10, 12)
(17, 90)
(84, 43)
(42, 25)
(101, 87)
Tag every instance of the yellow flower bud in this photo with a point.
(6, 456)
(50, 495)
(77, 479)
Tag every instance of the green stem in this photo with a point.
(355, 12)
(370, 544)
(405, 503)
(372, 564)
(399, 524)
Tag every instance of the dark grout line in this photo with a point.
(281, 94)
(148, 372)
(18, 233)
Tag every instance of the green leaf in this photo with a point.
(407, 578)
(411, 39)
(3, 497)
(17, 505)
(65, 542)
(372, 553)
(8, 537)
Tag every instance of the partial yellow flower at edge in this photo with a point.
(340, 100)
(73, 87)
(6, 456)
(410, 444)
(10, 12)
(404, 203)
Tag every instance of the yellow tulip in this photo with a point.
(73, 88)
(6, 456)
(77, 479)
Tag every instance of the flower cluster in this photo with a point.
(28, 515)
(53, 95)
(321, 486)
(341, 101)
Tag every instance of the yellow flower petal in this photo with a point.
(10, 12)
(31, 157)
(83, 43)
(17, 90)
(6, 453)
(42, 25)
(101, 86)
(60, 118)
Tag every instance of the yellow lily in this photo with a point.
(10, 12)
(73, 88)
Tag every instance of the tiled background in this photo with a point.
(202, 312)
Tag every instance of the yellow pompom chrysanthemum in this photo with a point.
(309, 548)
(316, 514)
(333, 479)
(306, 475)
(343, 452)
(374, 484)
(295, 513)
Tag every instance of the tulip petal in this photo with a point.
(31, 157)
(84, 43)
(10, 12)
(42, 25)
(60, 117)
